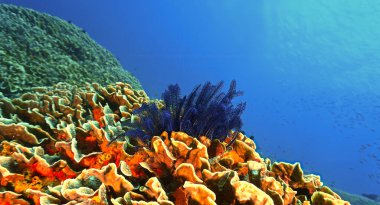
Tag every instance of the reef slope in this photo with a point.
(37, 49)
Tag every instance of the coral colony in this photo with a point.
(108, 143)
(56, 148)
(41, 50)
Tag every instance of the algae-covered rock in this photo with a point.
(37, 49)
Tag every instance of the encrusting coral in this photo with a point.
(56, 148)
(37, 49)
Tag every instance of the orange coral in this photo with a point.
(67, 131)
(97, 113)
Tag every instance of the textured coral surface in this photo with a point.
(37, 49)
(55, 150)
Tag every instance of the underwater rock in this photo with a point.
(37, 49)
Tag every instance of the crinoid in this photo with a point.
(206, 111)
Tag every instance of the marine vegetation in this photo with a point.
(206, 111)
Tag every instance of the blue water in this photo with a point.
(310, 69)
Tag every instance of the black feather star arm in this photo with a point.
(206, 111)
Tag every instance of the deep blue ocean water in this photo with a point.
(310, 70)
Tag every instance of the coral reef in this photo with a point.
(56, 149)
(37, 49)
(206, 111)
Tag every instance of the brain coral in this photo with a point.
(37, 49)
